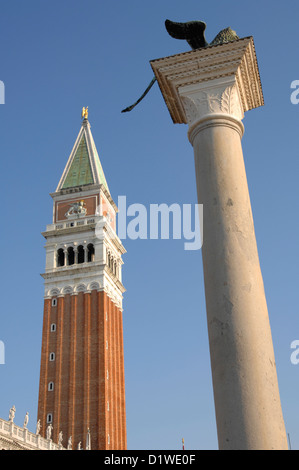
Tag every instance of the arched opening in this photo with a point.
(71, 256)
(81, 257)
(50, 386)
(60, 257)
(90, 253)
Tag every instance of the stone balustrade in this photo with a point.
(13, 437)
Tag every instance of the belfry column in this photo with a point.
(210, 89)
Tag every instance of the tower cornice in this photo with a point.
(62, 275)
(86, 189)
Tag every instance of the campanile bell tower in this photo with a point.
(82, 390)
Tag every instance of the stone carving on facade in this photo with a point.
(88, 440)
(60, 438)
(26, 420)
(12, 413)
(219, 100)
(49, 431)
(76, 210)
(38, 426)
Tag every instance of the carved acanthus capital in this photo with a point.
(217, 100)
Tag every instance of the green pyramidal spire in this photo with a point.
(83, 166)
(80, 170)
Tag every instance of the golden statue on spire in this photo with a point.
(84, 114)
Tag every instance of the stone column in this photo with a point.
(66, 257)
(210, 89)
(76, 254)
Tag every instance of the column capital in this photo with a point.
(215, 103)
(222, 79)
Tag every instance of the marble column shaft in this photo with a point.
(246, 393)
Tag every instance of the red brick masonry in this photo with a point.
(87, 372)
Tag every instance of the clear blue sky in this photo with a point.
(59, 56)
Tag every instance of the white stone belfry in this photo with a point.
(210, 89)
